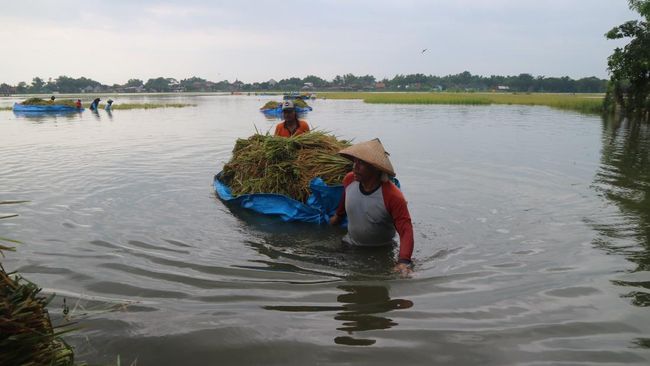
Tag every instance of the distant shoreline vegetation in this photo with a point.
(463, 82)
(588, 103)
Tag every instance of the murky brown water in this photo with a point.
(532, 239)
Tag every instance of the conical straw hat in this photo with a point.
(373, 153)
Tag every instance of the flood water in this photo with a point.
(532, 230)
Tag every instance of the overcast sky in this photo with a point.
(113, 41)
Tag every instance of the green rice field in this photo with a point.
(584, 103)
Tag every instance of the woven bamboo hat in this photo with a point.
(373, 153)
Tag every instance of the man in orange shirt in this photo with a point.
(291, 125)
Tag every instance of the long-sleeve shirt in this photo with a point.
(373, 217)
(282, 130)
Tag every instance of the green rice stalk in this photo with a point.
(26, 333)
(270, 164)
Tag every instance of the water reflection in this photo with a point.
(624, 179)
(48, 116)
(362, 310)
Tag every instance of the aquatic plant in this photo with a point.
(124, 106)
(285, 165)
(584, 103)
(27, 336)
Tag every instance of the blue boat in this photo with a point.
(54, 108)
(277, 112)
(320, 205)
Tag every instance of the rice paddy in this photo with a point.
(584, 103)
(125, 106)
(285, 165)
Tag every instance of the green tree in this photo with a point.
(629, 66)
(37, 85)
(134, 83)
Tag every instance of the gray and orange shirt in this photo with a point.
(374, 217)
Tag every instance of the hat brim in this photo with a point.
(373, 153)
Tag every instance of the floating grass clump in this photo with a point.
(271, 164)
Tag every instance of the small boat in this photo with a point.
(278, 110)
(320, 205)
(38, 108)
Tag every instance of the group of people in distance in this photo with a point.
(374, 206)
(94, 106)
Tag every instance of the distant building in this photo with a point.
(503, 88)
(380, 85)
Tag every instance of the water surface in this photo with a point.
(532, 231)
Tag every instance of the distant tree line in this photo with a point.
(464, 81)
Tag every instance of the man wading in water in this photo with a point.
(291, 125)
(375, 207)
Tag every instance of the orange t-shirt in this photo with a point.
(281, 129)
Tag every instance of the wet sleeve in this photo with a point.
(349, 178)
(398, 210)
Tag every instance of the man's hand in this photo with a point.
(335, 220)
(403, 269)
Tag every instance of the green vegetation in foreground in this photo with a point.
(27, 336)
(148, 105)
(584, 103)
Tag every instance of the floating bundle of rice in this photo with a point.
(39, 101)
(270, 164)
(26, 333)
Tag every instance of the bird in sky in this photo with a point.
(424, 50)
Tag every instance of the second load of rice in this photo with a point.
(271, 164)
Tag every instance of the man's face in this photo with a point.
(288, 114)
(363, 171)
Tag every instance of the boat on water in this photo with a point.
(278, 110)
(320, 205)
(40, 108)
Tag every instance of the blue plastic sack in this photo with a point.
(321, 204)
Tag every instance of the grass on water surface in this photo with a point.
(124, 106)
(584, 103)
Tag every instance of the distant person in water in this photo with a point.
(291, 125)
(78, 104)
(95, 104)
(109, 105)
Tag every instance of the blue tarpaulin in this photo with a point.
(54, 108)
(320, 205)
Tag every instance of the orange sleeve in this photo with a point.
(398, 210)
(349, 178)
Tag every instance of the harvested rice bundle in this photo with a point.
(285, 165)
(272, 104)
(26, 333)
(298, 103)
(39, 101)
